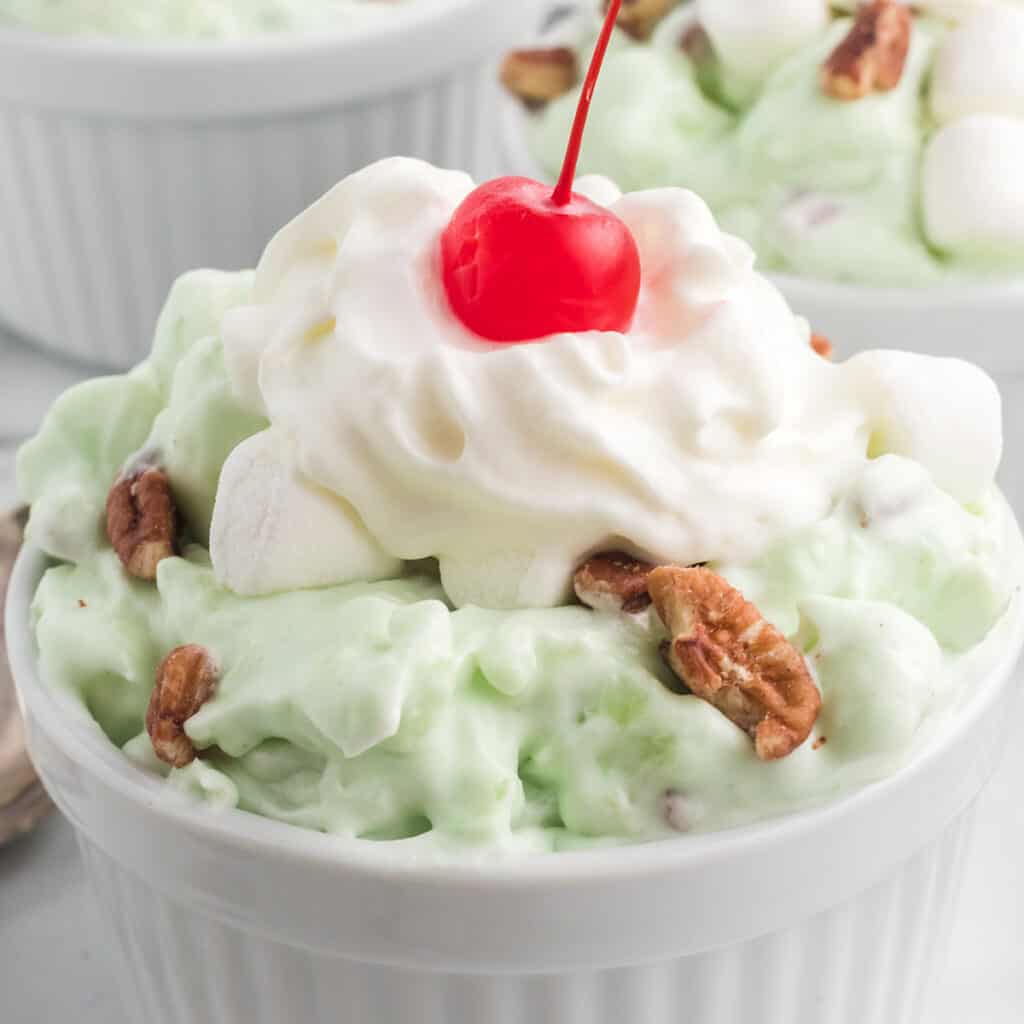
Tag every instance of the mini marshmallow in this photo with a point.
(978, 68)
(273, 530)
(972, 199)
(945, 414)
(244, 332)
(753, 37)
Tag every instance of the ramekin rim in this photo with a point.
(1008, 290)
(239, 828)
(105, 48)
(238, 81)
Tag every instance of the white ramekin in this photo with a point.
(124, 164)
(218, 917)
(980, 322)
(983, 323)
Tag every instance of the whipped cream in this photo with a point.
(709, 431)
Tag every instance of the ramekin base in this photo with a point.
(869, 960)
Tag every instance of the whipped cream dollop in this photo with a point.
(707, 432)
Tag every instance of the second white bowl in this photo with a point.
(978, 322)
(123, 164)
(983, 323)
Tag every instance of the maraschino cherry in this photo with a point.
(521, 262)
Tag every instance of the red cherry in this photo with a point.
(518, 266)
(520, 262)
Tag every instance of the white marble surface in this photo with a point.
(51, 969)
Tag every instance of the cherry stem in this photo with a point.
(563, 190)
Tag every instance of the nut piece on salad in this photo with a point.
(822, 346)
(540, 75)
(142, 521)
(185, 681)
(727, 654)
(872, 56)
(640, 17)
(614, 581)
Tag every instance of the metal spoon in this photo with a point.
(23, 801)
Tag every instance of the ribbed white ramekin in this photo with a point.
(832, 916)
(978, 322)
(124, 164)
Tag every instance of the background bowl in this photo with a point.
(218, 917)
(983, 323)
(123, 164)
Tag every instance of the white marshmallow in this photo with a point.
(978, 68)
(971, 192)
(244, 332)
(945, 414)
(273, 530)
(753, 37)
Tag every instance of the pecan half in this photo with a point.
(539, 76)
(873, 54)
(640, 17)
(185, 681)
(727, 654)
(614, 582)
(142, 522)
(822, 346)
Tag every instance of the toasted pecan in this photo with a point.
(540, 75)
(822, 346)
(874, 53)
(185, 681)
(639, 18)
(142, 521)
(614, 581)
(727, 654)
